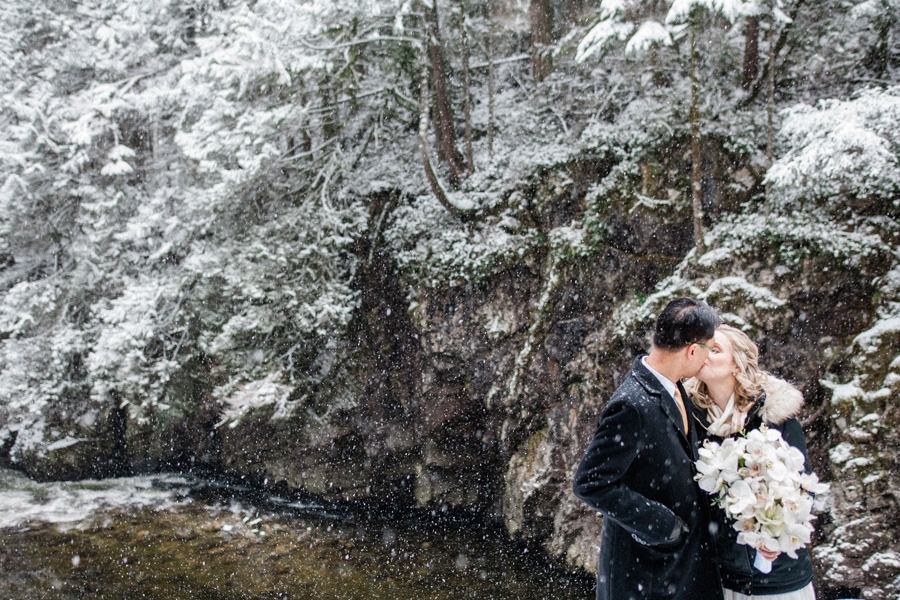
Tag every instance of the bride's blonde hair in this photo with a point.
(749, 378)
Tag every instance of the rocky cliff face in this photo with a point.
(482, 394)
(860, 546)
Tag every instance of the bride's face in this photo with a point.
(719, 366)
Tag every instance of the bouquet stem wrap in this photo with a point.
(762, 564)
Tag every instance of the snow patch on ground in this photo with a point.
(71, 503)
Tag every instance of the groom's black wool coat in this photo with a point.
(639, 473)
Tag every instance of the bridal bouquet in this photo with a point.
(759, 482)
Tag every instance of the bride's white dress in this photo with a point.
(806, 593)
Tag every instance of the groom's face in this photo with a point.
(696, 355)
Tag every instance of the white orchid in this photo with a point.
(811, 483)
(793, 459)
(759, 481)
(740, 497)
(777, 470)
(718, 466)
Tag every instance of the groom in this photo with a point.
(638, 471)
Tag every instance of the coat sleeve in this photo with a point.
(601, 479)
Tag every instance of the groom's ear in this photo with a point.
(690, 350)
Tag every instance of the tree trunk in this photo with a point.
(443, 114)
(490, 57)
(770, 115)
(751, 53)
(425, 150)
(330, 127)
(467, 96)
(694, 117)
(573, 11)
(540, 17)
(773, 54)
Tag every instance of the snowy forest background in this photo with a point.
(403, 251)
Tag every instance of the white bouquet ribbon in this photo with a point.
(760, 483)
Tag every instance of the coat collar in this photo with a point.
(782, 401)
(654, 388)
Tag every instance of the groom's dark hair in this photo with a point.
(683, 322)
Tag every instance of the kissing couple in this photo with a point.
(662, 537)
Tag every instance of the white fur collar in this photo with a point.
(783, 401)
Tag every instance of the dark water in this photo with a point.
(164, 541)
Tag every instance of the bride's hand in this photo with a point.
(769, 555)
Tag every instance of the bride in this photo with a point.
(732, 395)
